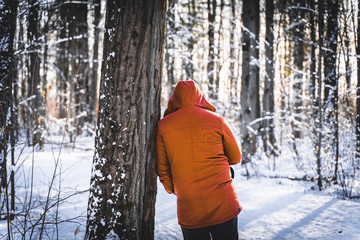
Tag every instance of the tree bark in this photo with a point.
(268, 98)
(8, 14)
(170, 46)
(62, 59)
(313, 113)
(319, 97)
(297, 15)
(233, 77)
(95, 67)
(80, 64)
(331, 82)
(213, 84)
(123, 184)
(250, 103)
(34, 79)
(357, 154)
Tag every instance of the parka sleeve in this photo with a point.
(163, 166)
(231, 147)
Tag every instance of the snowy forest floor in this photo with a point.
(273, 208)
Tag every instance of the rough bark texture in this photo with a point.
(62, 59)
(297, 15)
(80, 66)
(8, 11)
(331, 95)
(268, 99)
(358, 91)
(123, 183)
(250, 103)
(34, 79)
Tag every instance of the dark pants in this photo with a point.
(223, 231)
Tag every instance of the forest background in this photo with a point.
(283, 73)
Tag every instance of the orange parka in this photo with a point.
(195, 148)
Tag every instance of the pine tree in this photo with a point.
(123, 184)
(250, 102)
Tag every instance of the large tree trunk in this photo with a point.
(123, 184)
(268, 98)
(8, 12)
(250, 103)
(358, 90)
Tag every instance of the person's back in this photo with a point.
(195, 147)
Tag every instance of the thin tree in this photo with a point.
(319, 97)
(297, 15)
(331, 80)
(171, 31)
(34, 79)
(123, 183)
(80, 63)
(213, 83)
(8, 13)
(233, 76)
(268, 98)
(250, 103)
(313, 113)
(95, 62)
(62, 61)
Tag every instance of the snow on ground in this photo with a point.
(272, 208)
(275, 209)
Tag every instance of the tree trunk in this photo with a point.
(220, 62)
(80, 69)
(268, 98)
(358, 90)
(192, 41)
(170, 47)
(313, 113)
(62, 59)
(250, 103)
(123, 184)
(213, 87)
(34, 79)
(331, 81)
(233, 77)
(95, 67)
(320, 120)
(297, 15)
(8, 14)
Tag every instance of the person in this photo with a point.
(195, 148)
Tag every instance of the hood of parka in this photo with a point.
(187, 93)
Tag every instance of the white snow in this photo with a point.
(273, 208)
